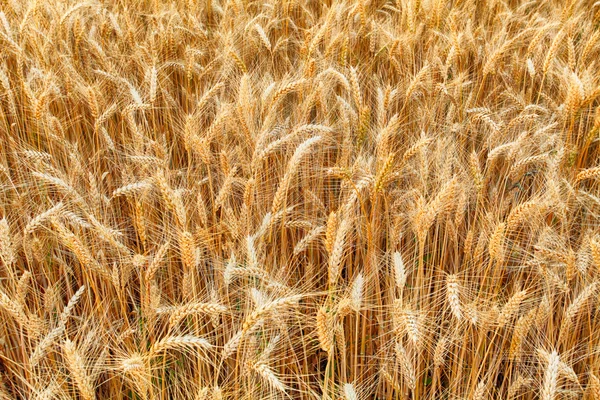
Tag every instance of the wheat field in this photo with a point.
(299, 199)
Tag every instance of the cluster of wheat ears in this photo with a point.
(299, 199)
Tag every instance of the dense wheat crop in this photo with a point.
(299, 199)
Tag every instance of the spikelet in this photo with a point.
(132, 363)
(238, 61)
(496, 244)
(594, 386)
(516, 386)
(356, 293)
(16, 311)
(406, 367)
(269, 376)
(187, 247)
(511, 307)
(576, 306)
(131, 189)
(38, 157)
(521, 330)
(349, 392)
(105, 116)
(452, 295)
(38, 220)
(261, 153)
(7, 253)
(575, 95)
(411, 325)
(330, 232)
(344, 53)
(517, 169)
(156, 260)
(311, 236)
(318, 37)
(480, 390)
(440, 352)
(550, 383)
(81, 251)
(264, 310)
(590, 173)
(178, 342)
(153, 85)
(344, 308)
(23, 287)
(252, 253)
(399, 271)
(388, 377)
(285, 90)
(202, 394)
(416, 81)
(383, 173)
(41, 348)
(476, 171)
(181, 312)
(290, 171)
(92, 102)
(364, 121)
(440, 203)
(268, 350)
(356, 92)
(530, 67)
(553, 49)
(384, 137)
(325, 329)
(171, 198)
(473, 314)
(71, 304)
(595, 251)
(217, 393)
(337, 252)
(589, 46)
(263, 36)
(521, 213)
(78, 370)
(232, 345)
